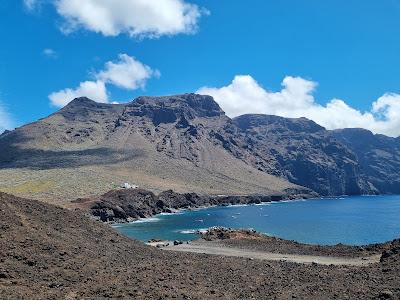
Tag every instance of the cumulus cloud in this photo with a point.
(126, 72)
(92, 89)
(143, 18)
(244, 95)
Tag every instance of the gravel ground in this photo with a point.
(221, 250)
(251, 240)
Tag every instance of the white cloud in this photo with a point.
(51, 53)
(92, 89)
(245, 96)
(126, 72)
(150, 18)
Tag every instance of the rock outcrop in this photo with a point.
(120, 206)
(378, 158)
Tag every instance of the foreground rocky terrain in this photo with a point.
(188, 144)
(124, 205)
(48, 252)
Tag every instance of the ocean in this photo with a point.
(356, 220)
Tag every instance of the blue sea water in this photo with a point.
(356, 220)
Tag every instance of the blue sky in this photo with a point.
(338, 57)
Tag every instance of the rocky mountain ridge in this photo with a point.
(188, 142)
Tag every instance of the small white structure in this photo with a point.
(128, 186)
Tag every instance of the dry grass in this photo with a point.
(61, 185)
(29, 187)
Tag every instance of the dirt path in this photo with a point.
(304, 259)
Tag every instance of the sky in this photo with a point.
(336, 62)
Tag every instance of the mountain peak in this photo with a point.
(188, 104)
(82, 107)
(81, 101)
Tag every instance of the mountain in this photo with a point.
(188, 144)
(159, 143)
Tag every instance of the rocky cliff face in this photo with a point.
(304, 153)
(378, 157)
(186, 142)
(177, 126)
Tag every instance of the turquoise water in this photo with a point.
(349, 220)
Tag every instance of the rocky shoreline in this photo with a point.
(253, 240)
(127, 205)
(250, 241)
(252, 245)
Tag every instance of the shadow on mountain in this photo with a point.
(42, 159)
(12, 156)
